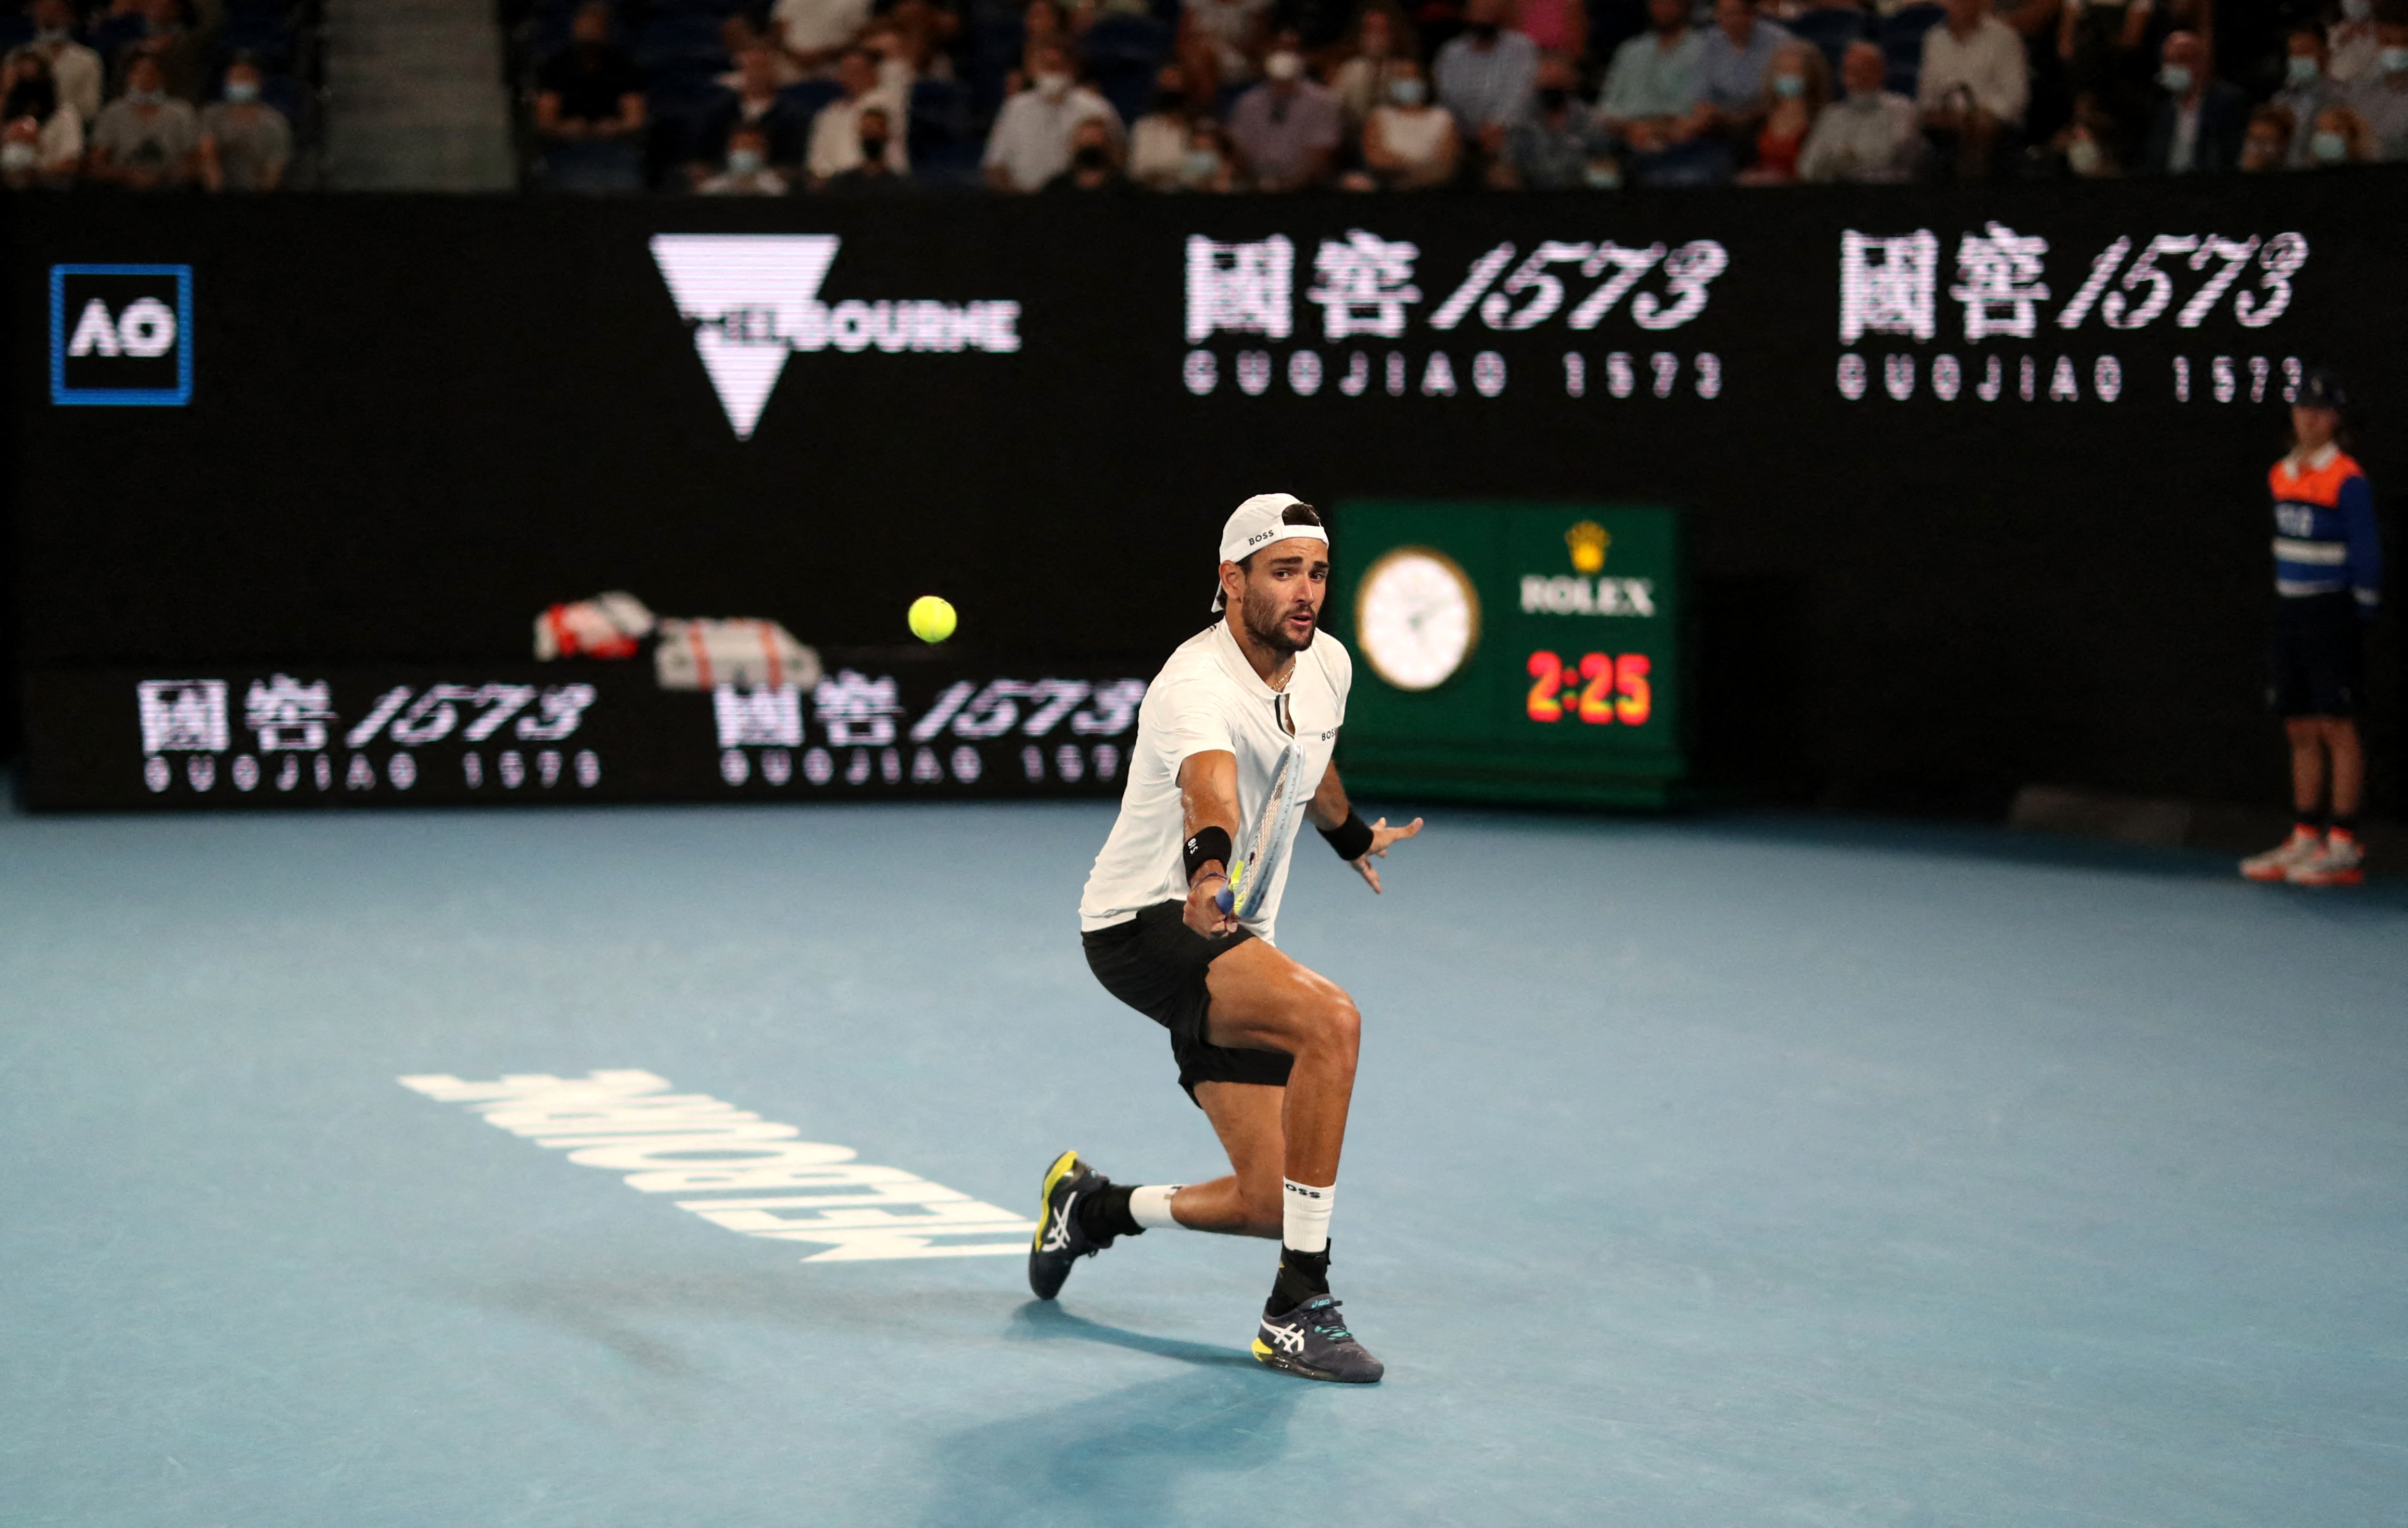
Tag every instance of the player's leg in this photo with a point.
(2340, 860)
(1246, 1203)
(1261, 1001)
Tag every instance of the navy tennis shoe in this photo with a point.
(1312, 1342)
(1060, 1240)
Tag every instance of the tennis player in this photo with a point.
(1233, 750)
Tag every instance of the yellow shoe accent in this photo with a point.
(1263, 1350)
(1064, 1165)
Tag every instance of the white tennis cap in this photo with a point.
(1255, 524)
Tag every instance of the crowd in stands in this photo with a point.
(885, 96)
(153, 95)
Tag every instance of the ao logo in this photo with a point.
(121, 335)
(755, 298)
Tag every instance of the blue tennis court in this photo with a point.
(1741, 1171)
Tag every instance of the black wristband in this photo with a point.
(1351, 838)
(1209, 844)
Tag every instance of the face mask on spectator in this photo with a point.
(2394, 60)
(146, 98)
(1482, 31)
(1789, 87)
(2356, 10)
(1407, 92)
(2328, 147)
(241, 91)
(51, 37)
(1091, 157)
(1602, 175)
(744, 161)
(1200, 164)
(17, 154)
(2082, 156)
(873, 148)
(1052, 86)
(1283, 66)
(1169, 100)
(1554, 98)
(2175, 78)
(2302, 69)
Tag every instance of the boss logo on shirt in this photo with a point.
(121, 336)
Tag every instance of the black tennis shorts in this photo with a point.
(2317, 655)
(1155, 963)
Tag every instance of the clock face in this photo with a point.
(1416, 618)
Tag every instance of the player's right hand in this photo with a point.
(1203, 911)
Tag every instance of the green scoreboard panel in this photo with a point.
(1512, 651)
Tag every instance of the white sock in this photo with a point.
(1304, 1216)
(1150, 1203)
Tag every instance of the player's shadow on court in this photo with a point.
(1136, 1456)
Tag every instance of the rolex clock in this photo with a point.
(1416, 617)
(1512, 652)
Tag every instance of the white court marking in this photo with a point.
(692, 1142)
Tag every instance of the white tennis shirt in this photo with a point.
(1209, 697)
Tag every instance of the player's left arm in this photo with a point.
(1357, 842)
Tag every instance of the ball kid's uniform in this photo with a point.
(2328, 576)
(1207, 698)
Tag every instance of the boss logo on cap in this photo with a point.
(121, 335)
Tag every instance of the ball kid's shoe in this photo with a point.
(2277, 863)
(1060, 1240)
(2340, 862)
(1312, 1342)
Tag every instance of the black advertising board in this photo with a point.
(1973, 477)
(878, 726)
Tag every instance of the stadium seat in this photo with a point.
(681, 43)
(1901, 41)
(1123, 53)
(266, 41)
(15, 30)
(1831, 31)
(944, 149)
(807, 97)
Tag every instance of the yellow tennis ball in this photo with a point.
(932, 618)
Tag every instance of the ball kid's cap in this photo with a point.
(2322, 390)
(1255, 524)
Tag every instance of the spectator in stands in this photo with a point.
(891, 55)
(1030, 142)
(1732, 67)
(1287, 129)
(1650, 100)
(1973, 87)
(873, 173)
(75, 69)
(746, 171)
(1209, 166)
(2267, 146)
(1409, 143)
(2088, 143)
(589, 105)
(1556, 147)
(145, 139)
(816, 32)
(244, 142)
(41, 137)
(738, 37)
(182, 51)
(1795, 89)
(1158, 140)
(1094, 162)
(1381, 38)
(2200, 122)
(1043, 25)
(1870, 134)
(753, 102)
(923, 30)
(2104, 46)
(1559, 27)
(2380, 98)
(836, 132)
(2341, 136)
(1221, 41)
(2350, 44)
(2305, 89)
(1486, 76)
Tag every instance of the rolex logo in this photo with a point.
(1588, 541)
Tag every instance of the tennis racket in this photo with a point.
(1250, 878)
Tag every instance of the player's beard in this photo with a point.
(1266, 618)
